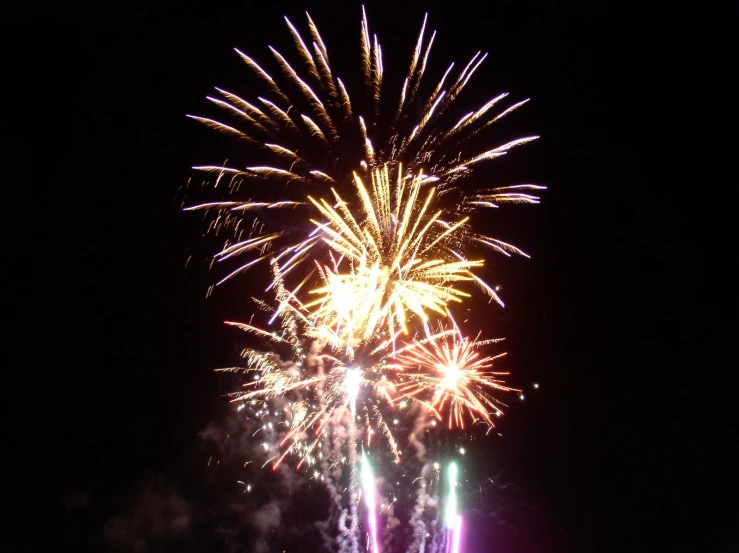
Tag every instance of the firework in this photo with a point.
(450, 515)
(457, 535)
(368, 485)
(352, 382)
(381, 254)
(300, 373)
(402, 260)
(381, 240)
(449, 373)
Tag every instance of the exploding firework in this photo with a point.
(404, 259)
(302, 372)
(376, 254)
(322, 398)
(451, 375)
(381, 240)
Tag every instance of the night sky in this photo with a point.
(621, 316)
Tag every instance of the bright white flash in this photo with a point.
(351, 383)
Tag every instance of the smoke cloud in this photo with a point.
(155, 515)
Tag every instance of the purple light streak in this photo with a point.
(369, 498)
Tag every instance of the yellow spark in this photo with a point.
(397, 261)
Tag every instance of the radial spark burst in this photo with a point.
(451, 375)
(378, 238)
(401, 259)
(396, 249)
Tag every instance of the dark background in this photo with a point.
(622, 315)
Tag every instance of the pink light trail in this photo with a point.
(369, 495)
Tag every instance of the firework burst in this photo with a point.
(401, 260)
(404, 240)
(451, 376)
(380, 240)
(315, 387)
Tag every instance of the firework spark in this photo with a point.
(450, 515)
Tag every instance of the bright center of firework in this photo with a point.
(385, 257)
(451, 377)
(351, 384)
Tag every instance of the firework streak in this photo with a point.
(378, 250)
(368, 485)
(457, 535)
(451, 503)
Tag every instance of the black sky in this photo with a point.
(622, 315)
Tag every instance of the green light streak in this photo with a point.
(450, 517)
